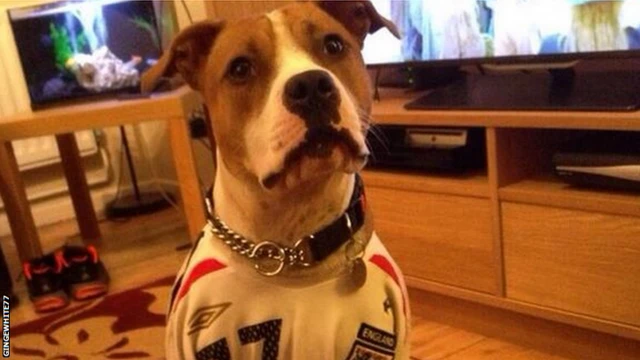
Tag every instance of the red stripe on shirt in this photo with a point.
(203, 268)
(384, 264)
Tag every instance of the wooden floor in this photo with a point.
(144, 249)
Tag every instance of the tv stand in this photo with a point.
(511, 235)
(556, 89)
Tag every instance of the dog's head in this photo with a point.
(288, 92)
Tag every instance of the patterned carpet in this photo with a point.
(126, 325)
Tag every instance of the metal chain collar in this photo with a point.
(269, 258)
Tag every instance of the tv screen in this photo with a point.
(79, 48)
(504, 30)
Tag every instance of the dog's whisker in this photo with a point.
(381, 137)
(371, 153)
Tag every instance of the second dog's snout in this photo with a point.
(313, 96)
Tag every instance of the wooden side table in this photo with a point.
(173, 107)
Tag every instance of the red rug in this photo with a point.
(126, 325)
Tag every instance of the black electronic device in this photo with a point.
(525, 51)
(588, 91)
(426, 148)
(604, 159)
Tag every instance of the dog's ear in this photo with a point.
(187, 55)
(359, 17)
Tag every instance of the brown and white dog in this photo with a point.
(288, 266)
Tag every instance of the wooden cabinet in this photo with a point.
(443, 238)
(578, 261)
(513, 236)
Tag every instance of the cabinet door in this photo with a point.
(441, 238)
(583, 262)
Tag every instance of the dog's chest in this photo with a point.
(236, 314)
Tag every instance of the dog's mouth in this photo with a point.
(319, 143)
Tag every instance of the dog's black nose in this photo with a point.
(313, 96)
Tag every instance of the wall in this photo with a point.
(240, 9)
(14, 98)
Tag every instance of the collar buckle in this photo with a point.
(302, 254)
(355, 248)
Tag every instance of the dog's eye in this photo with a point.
(240, 69)
(333, 44)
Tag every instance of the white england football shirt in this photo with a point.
(223, 310)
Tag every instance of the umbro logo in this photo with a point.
(205, 316)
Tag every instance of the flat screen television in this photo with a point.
(77, 49)
(439, 34)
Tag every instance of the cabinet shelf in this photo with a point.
(391, 111)
(546, 190)
(473, 184)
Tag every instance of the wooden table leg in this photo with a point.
(17, 206)
(78, 188)
(192, 200)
